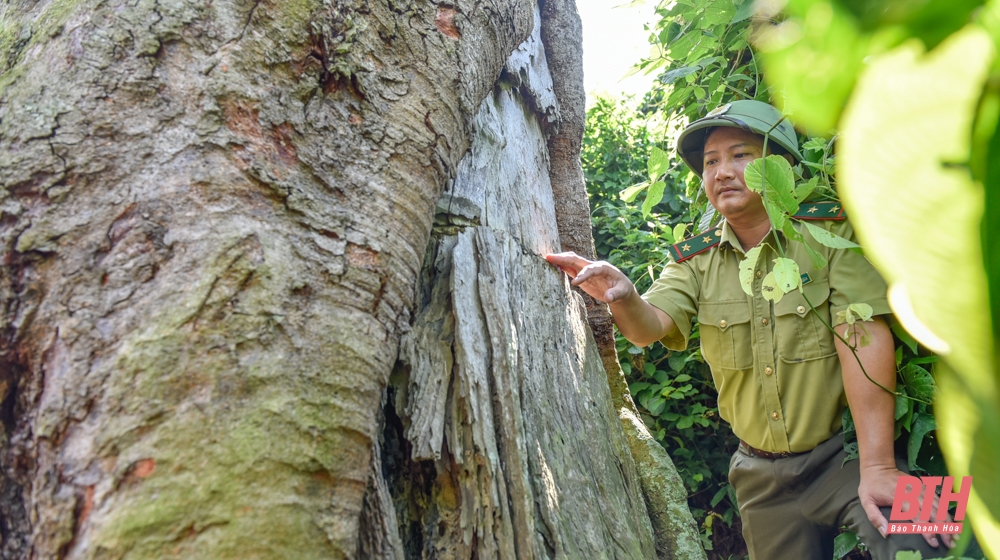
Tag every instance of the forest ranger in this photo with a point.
(783, 377)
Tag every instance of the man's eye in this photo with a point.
(709, 162)
(742, 154)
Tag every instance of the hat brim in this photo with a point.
(691, 144)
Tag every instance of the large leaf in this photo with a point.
(918, 216)
(829, 239)
(844, 543)
(813, 57)
(778, 179)
(921, 426)
(769, 288)
(653, 197)
(658, 163)
(786, 274)
(747, 266)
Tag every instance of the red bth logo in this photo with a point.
(909, 516)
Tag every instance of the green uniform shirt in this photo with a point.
(774, 364)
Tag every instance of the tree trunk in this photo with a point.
(213, 219)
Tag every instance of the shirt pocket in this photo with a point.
(801, 334)
(725, 334)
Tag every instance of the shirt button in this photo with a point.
(801, 309)
(774, 415)
(759, 274)
(722, 323)
(764, 321)
(768, 370)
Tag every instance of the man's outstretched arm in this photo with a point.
(639, 322)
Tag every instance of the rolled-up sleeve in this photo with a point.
(854, 280)
(675, 293)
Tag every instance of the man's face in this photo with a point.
(728, 150)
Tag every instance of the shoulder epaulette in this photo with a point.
(820, 211)
(692, 246)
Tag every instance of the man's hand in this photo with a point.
(878, 485)
(602, 280)
(639, 322)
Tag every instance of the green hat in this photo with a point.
(750, 115)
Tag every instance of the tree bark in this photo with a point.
(213, 218)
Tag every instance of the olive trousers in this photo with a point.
(792, 507)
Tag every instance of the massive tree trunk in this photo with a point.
(216, 233)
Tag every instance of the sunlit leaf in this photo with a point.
(813, 56)
(829, 239)
(818, 260)
(653, 197)
(747, 266)
(769, 288)
(744, 11)
(658, 163)
(679, 231)
(805, 189)
(862, 311)
(778, 179)
(629, 194)
(911, 114)
(786, 274)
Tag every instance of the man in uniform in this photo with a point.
(783, 378)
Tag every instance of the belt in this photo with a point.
(747, 449)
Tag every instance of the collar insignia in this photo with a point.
(684, 250)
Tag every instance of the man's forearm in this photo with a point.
(871, 406)
(639, 322)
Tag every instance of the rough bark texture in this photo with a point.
(213, 217)
(676, 534)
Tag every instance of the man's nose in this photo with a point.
(725, 170)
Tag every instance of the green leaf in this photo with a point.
(844, 543)
(921, 426)
(794, 51)
(777, 178)
(803, 190)
(677, 361)
(679, 231)
(743, 12)
(930, 247)
(629, 194)
(904, 336)
(658, 163)
(653, 197)
(786, 274)
(909, 555)
(817, 258)
(862, 311)
(722, 491)
(815, 143)
(656, 405)
(769, 288)
(636, 387)
(682, 378)
(900, 407)
(918, 380)
(685, 422)
(829, 239)
(747, 266)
